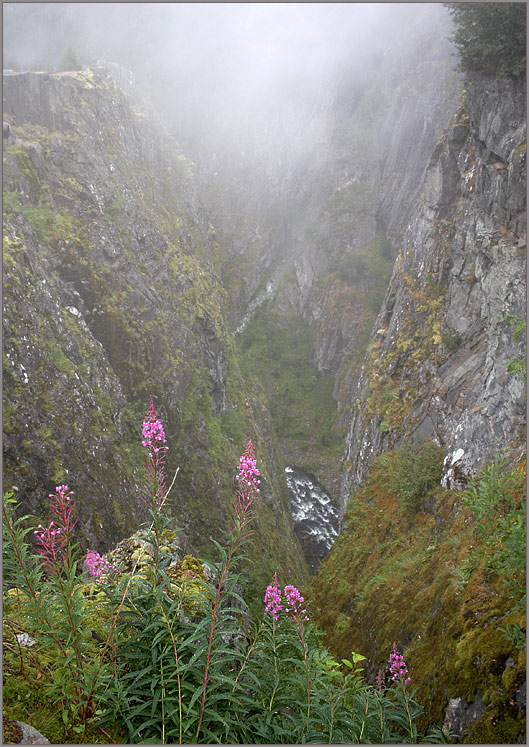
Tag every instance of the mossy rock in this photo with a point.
(188, 580)
(392, 576)
(11, 731)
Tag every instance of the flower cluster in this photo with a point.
(99, 566)
(295, 601)
(153, 433)
(272, 598)
(247, 489)
(52, 542)
(53, 539)
(153, 440)
(380, 681)
(248, 471)
(397, 666)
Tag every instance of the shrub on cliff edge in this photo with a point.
(490, 37)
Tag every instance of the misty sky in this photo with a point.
(253, 87)
(229, 34)
(200, 50)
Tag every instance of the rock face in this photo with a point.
(340, 212)
(436, 366)
(111, 294)
(459, 715)
(359, 196)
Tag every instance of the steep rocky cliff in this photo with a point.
(344, 207)
(112, 293)
(418, 562)
(436, 366)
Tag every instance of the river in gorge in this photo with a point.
(314, 513)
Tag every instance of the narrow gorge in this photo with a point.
(337, 272)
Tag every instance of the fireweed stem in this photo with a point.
(244, 514)
(215, 605)
(299, 615)
(55, 554)
(247, 657)
(364, 720)
(274, 643)
(272, 598)
(332, 717)
(275, 664)
(129, 581)
(302, 639)
(157, 493)
(169, 628)
(153, 435)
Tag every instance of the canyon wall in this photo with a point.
(437, 361)
(112, 293)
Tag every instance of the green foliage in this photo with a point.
(277, 351)
(393, 576)
(490, 37)
(164, 631)
(497, 500)
(379, 266)
(417, 471)
(46, 222)
(515, 635)
(517, 366)
(51, 608)
(452, 339)
(392, 370)
(69, 60)
(8, 410)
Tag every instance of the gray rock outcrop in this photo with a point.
(436, 366)
(460, 714)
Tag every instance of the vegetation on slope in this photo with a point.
(442, 573)
(491, 37)
(276, 351)
(163, 652)
(112, 288)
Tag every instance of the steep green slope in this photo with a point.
(112, 293)
(275, 347)
(439, 571)
(442, 575)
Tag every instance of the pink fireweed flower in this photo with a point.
(62, 507)
(53, 539)
(295, 602)
(299, 615)
(99, 566)
(397, 666)
(153, 440)
(153, 434)
(248, 472)
(272, 598)
(51, 547)
(247, 489)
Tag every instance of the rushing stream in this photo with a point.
(314, 513)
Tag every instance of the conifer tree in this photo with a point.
(490, 37)
(69, 60)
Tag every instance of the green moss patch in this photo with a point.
(404, 577)
(276, 350)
